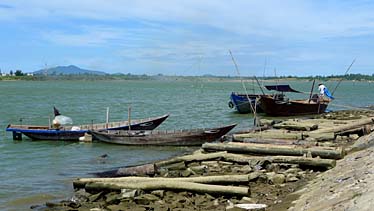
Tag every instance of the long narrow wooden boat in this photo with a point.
(241, 104)
(193, 137)
(72, 133)
(279, 105)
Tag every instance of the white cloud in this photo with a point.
(172, 33)
(88, 36)
(266, 18)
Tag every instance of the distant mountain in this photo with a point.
(67, 70)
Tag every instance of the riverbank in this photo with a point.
(222, 176)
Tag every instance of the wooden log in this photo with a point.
(296, 125)
(268, 149)
(269, 134)
(270, 141)
(326, 136)
(349, 126)
(304, 161)
(220, 190)
(189, 158)
(147, 169)
(221, 179)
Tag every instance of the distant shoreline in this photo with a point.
(368, 79)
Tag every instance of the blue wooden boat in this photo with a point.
(72, 133)
(241, 104)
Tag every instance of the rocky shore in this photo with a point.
(296, 164)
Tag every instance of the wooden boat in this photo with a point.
(279, 105)
(72, 133)
(194, 137)
(241, 104)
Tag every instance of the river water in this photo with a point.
(33, 172)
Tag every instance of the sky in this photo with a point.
(194, 37)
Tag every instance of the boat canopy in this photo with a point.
(281, 88)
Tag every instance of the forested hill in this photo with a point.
(67, 70)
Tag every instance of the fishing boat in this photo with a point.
(241, 104)
(280, 105)
(72, 133)
(193, 137)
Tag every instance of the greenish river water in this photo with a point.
(33, 172)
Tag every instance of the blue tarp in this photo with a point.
(328, 94)
(281, 88)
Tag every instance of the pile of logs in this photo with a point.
(283, 153)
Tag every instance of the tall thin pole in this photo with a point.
(344, 74)
(259, 85)
(129, 117)
(245, 89)
(263, 73)
(311, 91)
(107, 117)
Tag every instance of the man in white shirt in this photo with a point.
(321, 89)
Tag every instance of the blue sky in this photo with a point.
(172, 37)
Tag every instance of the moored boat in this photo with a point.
(72, 133)
(279, 105)
(193, 137)
(241, 104)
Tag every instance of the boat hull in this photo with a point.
(241, 104)
(163, 138)
(273, 107)
(45, 133)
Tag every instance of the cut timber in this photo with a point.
(221, 179)
(270, 141)
(171, 185)
(296, 125)
(190, 158)
(349, 126)
(319, 136)
(268, 149)
(269, 134)
(303, 161)
(147, 169)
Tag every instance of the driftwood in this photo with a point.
(268, 149)
(171, 185)
(147, 169)
(221, 179)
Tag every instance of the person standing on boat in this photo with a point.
(323, 91)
